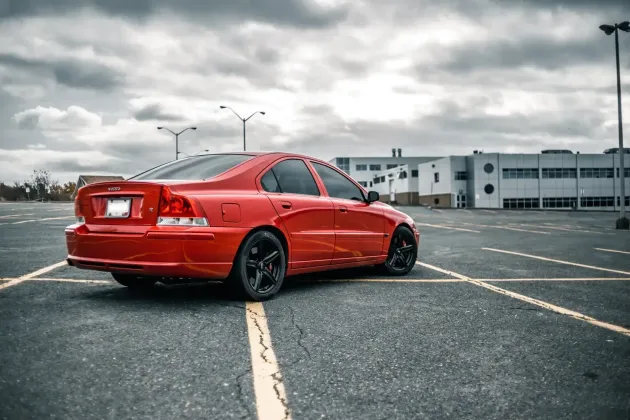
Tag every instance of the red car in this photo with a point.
(249, 219)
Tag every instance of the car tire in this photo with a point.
(259, 267)
(134, 282)
(402, 254)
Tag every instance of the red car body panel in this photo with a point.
(319, 232)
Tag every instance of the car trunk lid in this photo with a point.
(119, 203)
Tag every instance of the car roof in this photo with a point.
(275, 155)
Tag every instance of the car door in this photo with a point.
(307, 215)
(359, 226)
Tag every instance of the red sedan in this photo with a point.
(250, 219)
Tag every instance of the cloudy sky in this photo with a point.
(85, 83)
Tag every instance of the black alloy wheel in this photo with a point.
(260, 266)
(403, 252)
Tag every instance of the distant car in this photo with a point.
(249, 219)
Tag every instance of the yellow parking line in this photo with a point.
(403, 280)
(29, 276)
(271, 399)
(564, 229)
(540, 303)
(6, 216)
(43, 220)
(610, 270)
(613, 250)
(507, 228)
(71, 280)
(561, 279)
(447, 227)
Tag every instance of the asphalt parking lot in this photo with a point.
(508, 314)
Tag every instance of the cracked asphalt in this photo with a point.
(341, 345)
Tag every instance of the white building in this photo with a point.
(553, 179)
(547, 180)
(376, 173)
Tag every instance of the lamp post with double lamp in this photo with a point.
(622, 222)
(244, 121)
(177, 138)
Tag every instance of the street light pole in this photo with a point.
(177, 138)
(244, 121)
(622, 222)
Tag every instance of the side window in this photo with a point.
(338, 186)
(293, 177)
(270, 183)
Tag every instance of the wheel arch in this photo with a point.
(269, 228)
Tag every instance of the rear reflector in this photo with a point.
(182, 221)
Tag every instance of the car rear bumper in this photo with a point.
(198, 252)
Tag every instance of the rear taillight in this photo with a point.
(178, 210)
(78, 213)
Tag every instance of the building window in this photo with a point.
(392, 165)
(377, 180)
(489, 189)
(559, 202)
(363, 183)
(383, 178)
(521, 203)
(520, 173)
(559, 173)
(488, 168)
(361, 167)
(461, 175)
(343, 164)
(436, 177)
(627, 201)
(375, 167)
(596, 172)
(370, 183)
(626, 172)
(403, 175)
(414, 173)
(597, 201)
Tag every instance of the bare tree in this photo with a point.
(42, 182)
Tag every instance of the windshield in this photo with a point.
(196, 167)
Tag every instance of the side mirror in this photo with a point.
(373, 196)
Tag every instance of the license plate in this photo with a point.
(118, 207)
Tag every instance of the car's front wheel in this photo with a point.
(403, 252)
(134, 282)
(260, 266)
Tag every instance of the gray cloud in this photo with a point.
(71, 73)
(193, 55)
(572, 4)
(542, 52)
(455, 119)
(155, 112)
(297, 13)
(80, 167)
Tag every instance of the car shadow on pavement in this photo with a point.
(218, 292)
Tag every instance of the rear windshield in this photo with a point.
(194, 168)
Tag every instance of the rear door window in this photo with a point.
(194, 168)
(290, 176)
